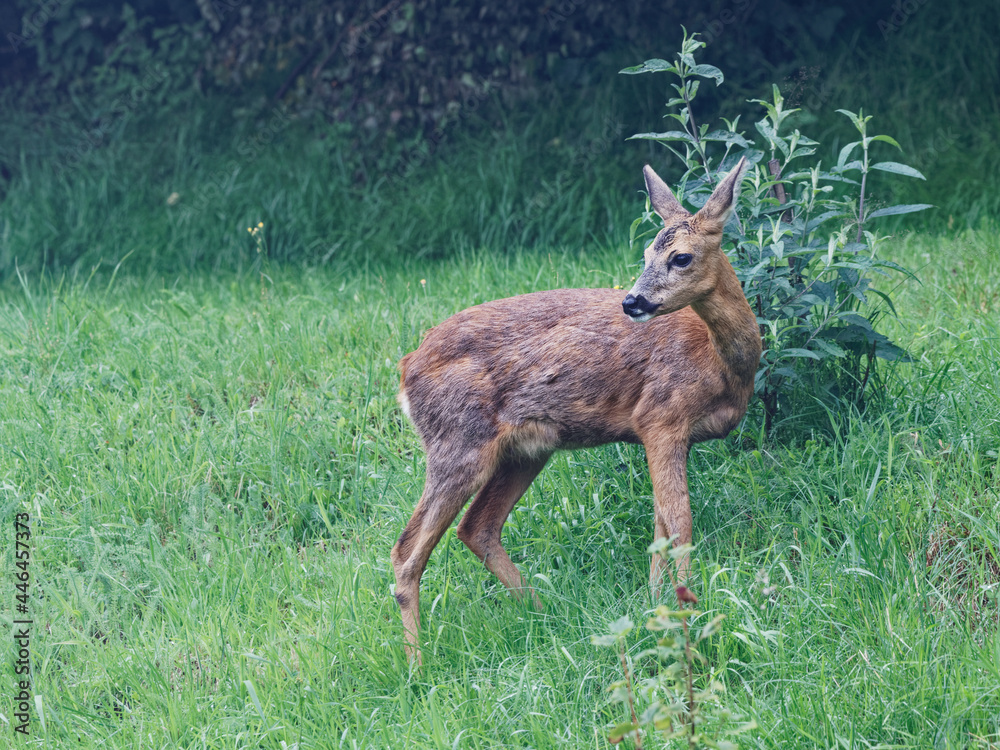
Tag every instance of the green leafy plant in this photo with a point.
(683, 697)
(803, 247)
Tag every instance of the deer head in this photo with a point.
(684, 261)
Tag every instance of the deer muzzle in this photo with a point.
(638, 307)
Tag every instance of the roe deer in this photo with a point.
(496, 388)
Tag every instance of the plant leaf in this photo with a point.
(906, 208)
(829, 347)
(854, 319)
(708, 71)
(618, 733)
(885, 349)
(896, 168)
(856, 164)
(845, 153)
(887, 300)
(650, 66)
(826, 215)
(726, 136)
(621, 626)
(774, 141)
(886, 139)
(670, 135)
(607, 639)
(852, 334)
(795, 352)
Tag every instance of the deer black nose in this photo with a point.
(634, 306)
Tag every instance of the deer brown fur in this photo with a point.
(496, 388)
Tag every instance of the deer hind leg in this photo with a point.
(672, 506)
(480, 526)
(448, 486)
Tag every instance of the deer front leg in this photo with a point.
(672, 506)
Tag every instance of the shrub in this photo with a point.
(803, 245)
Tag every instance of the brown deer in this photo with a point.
(496, 388)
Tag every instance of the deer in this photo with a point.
(495, 389)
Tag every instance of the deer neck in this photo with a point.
(732, 326)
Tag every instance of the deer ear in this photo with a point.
(667, 207)
(719, 207)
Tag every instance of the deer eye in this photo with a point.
(682, 260)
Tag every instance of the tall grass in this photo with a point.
(176, 196)
(217, 470)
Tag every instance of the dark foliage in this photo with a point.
(391, 67)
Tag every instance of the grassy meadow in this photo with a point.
(216, 470)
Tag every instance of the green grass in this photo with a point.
(216, 471)
(178, 195)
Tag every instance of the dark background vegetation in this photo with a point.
(425, 127)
